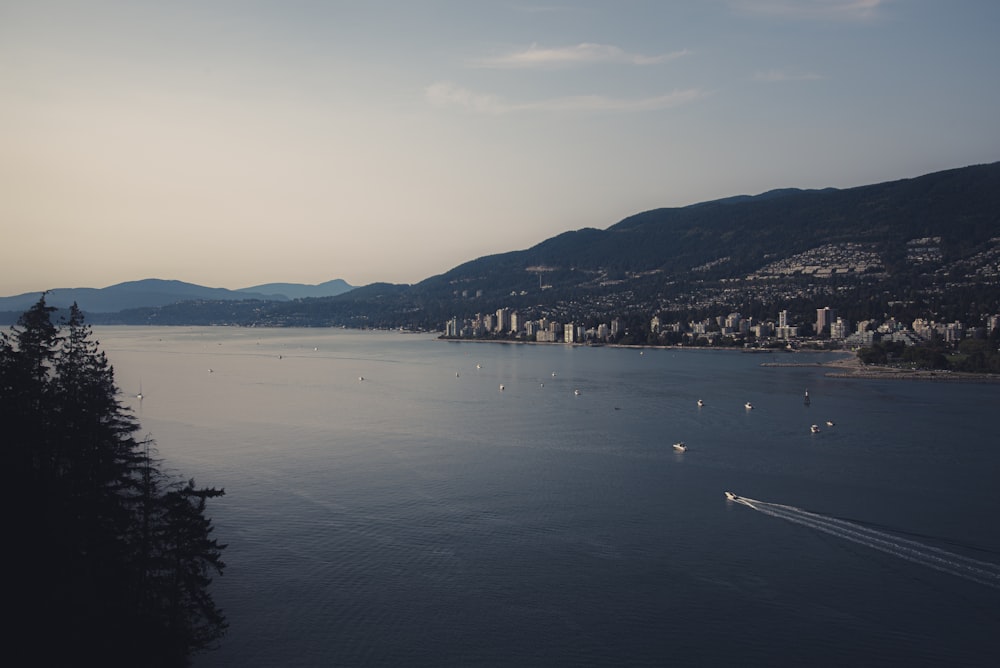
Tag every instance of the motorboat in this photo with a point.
(814, 429)
(576, 392)
(700, 403)
(680, 447)
(731, 497)
(748, 406)
(829, 423)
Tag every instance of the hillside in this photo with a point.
(928, 245)
(153, 293)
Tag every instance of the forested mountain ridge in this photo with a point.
(154, 292)
(930, 242)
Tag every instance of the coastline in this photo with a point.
(847, 366)
(851, 367)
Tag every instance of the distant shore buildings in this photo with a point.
(729, 330)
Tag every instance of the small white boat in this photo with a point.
(748, 406)
(829, 423)
(361, 377)
(731, 497)
(576, 392)
(680, 447)
(553, 374)
(814, 429)
(501, 387)
(479, 366)
(700, 403)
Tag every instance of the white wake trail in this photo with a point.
(981, 572)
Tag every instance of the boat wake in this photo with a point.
(982, 572)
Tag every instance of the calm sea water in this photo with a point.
(422, 516)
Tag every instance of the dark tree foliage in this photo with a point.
(112, 559)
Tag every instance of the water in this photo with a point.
(419, 517)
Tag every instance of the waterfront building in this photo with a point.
(824, 318)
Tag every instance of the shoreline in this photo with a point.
(853, 368)
(847, 366)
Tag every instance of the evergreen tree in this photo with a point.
(113, 559)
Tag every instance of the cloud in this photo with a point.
(570, 56)
(445, 94)
(779, 76)
(839, 10)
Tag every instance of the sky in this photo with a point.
(231, 143)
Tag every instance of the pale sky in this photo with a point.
(232, 143)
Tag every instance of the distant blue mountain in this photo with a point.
(151, 292)
(300, 291)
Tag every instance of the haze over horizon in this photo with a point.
(233, 144)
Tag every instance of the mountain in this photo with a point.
(930, 242)
(150, 292)
(299, 291)
(919, 247)
(154, 293)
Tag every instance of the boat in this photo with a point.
(700, 403)
(731, 497)
(680, 447)
(576, 392)
(501, 387)
(814, 429)
(748, 406)
(807, 396)
(829, 423)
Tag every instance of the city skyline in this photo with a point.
(230, 144)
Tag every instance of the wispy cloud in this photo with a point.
(839, 10)
(569, 56)
(445, 94)
(778, 76)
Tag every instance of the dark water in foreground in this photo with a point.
(417, 517)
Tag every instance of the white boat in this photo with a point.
(501, 387)
(731, 497)
(829, 423)
(700, 403)
(814, 429)
(748, 406)
(680, 447)
(576, 392)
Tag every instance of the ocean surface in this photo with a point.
(387, 503)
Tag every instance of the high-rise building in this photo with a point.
(839, 329)
(503, 321)
(824, 318)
